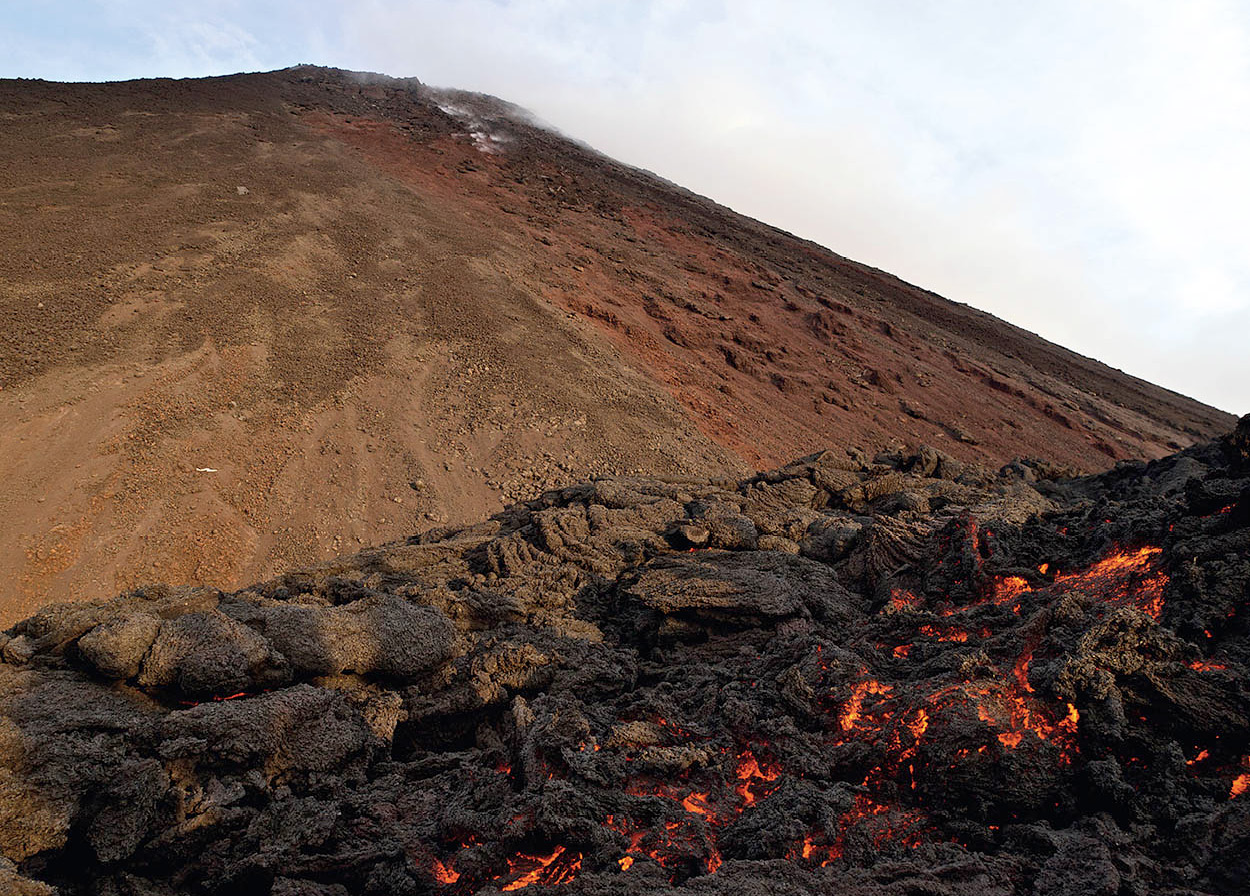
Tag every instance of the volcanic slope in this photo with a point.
(256, 321)
(892, 676)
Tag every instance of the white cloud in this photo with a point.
(189, 46)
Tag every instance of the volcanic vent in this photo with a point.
(890, 675)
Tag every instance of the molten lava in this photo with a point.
(854, 706)
(879, 822)
(1008, 588)
(1206, 666)
(557, 868)
(902, 599)
(444, 874)
(750, 775)
(696, 803)
(949, 633)
(1123, 577)
(1241, 783)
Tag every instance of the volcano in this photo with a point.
(898, 674)
(255, 322)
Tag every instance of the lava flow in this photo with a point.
(444, 873)
(904, 705)
(878, 712)
(559, 867)
(1123, 577)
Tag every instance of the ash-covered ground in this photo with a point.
(894, 675)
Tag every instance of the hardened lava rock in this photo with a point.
(899, 676)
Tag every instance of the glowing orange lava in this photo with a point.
(696, 803)
(1124, 576)
(1007, 706)
(1014, 714)
(811, 851)
(215, 699)
(902, 599)
(750, 774)
(881, 822)
(1021, 669)
(714, 861)
(546, 870)
(1009, 588)
(854, 706)
(950, 633)
(445, 874)
(919, 725)
(887, 715)
(1206, 666)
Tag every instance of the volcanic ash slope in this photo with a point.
(900, 675)
(216, 291)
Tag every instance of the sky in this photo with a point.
(1076, 168)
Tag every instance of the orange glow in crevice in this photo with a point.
(1008, 588)
(949, 633)
(1241, 783)
(854, 706)
(444, 874)
(1123, 577)
(886, 714)
(751, 775)
(880, 822)
(217, 699)
(674, 843)
(556, 868)
(1206, 666)
(696, 803)
(902, 599)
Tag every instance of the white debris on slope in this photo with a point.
(485, 138)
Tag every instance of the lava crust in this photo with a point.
(891, 675)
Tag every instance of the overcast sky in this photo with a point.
(1077, 168)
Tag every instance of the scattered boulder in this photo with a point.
(377, 635)
(206, 654)
(116, 648)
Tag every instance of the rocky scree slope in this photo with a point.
(893, 675)
(215, 291)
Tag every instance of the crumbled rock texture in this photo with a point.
(898, 676)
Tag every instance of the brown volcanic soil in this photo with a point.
(252, 322)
